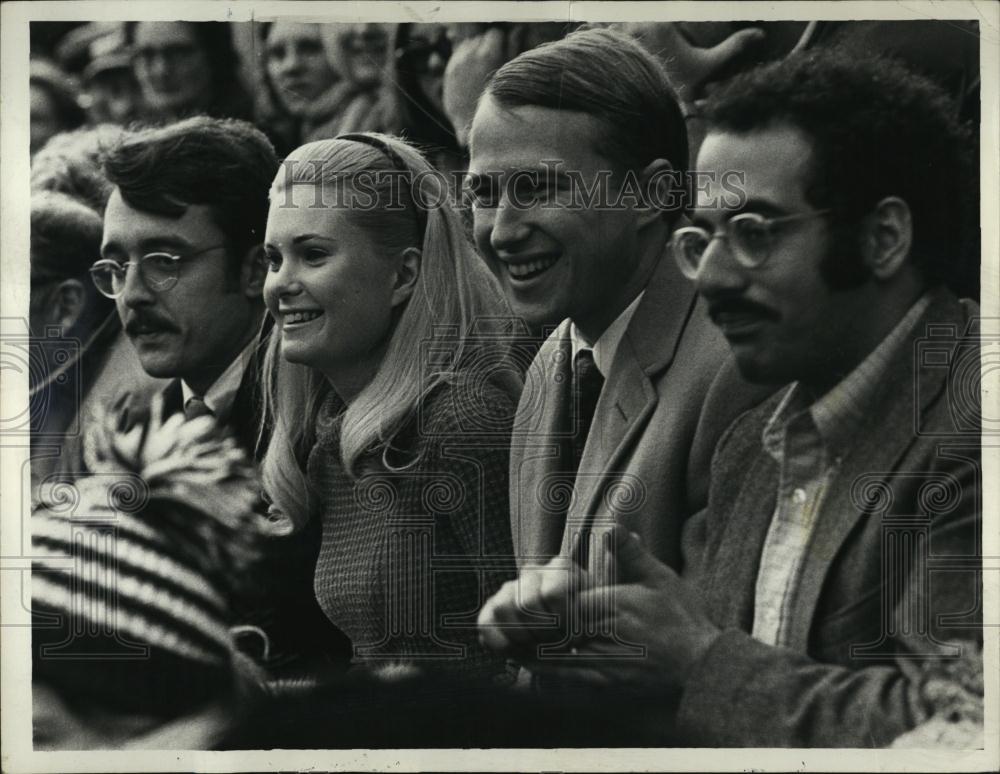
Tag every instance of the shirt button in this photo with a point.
(799, 496)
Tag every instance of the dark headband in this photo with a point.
(398, 164)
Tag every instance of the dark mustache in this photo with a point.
(740, 306)
(146, 320)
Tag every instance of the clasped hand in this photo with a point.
(622, 620)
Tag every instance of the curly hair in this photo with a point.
(225, 164)
(877, 130)
(70, 163)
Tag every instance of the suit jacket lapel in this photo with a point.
(732, 584)
(647, 348)
(878, 450)
(540, 486)
(626, 401)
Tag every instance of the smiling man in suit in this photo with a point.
(840, 547)
(578, 153)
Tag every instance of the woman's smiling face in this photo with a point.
(329, 288)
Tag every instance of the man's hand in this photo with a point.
(626, 621)
(690, 67)
(469, 69)
(530, 611)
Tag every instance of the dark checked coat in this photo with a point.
(418, 538)
(666, 401)
(891, 571)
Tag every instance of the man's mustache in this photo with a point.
(145, 322)
(740, 307)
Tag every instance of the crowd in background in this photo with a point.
(301, 81)
(139, 89)
(298, 81)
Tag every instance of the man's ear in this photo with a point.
(407, 273)
(889, 238)
(661, 187)
(253, 272)
(68, 302)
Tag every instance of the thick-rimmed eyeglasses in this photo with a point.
(751, 239)
(160, 271)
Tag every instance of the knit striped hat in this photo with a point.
(134, 566)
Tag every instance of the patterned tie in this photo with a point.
(196, 407)
(587, 385)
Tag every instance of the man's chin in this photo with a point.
(538, 318)
(760, 370)
(158, 366)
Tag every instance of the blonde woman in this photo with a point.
(390, 421)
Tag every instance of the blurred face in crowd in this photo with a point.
(44, 117)
(781, 319)
(365, 52)
(297, 65)
(558, 260)
(55, 303)
(330, 288)
(196, 328)
(171, 66)
(114, 97)
(427, 53)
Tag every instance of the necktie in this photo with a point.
(587, 384)
(196, 407)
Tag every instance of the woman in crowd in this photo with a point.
(389, 423)
(300, 82)
(187, 68)
(324, 79)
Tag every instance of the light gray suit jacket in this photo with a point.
(670, 394)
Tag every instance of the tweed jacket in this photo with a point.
(414, 540)
(664, 404)
(891, 571)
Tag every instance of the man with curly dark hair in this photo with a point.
(840, 542)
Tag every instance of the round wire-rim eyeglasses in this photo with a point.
(159, 270)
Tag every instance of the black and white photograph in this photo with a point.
(500, 386)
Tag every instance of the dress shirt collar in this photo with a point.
(606, 346)
(839, 413)
(219, 398)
